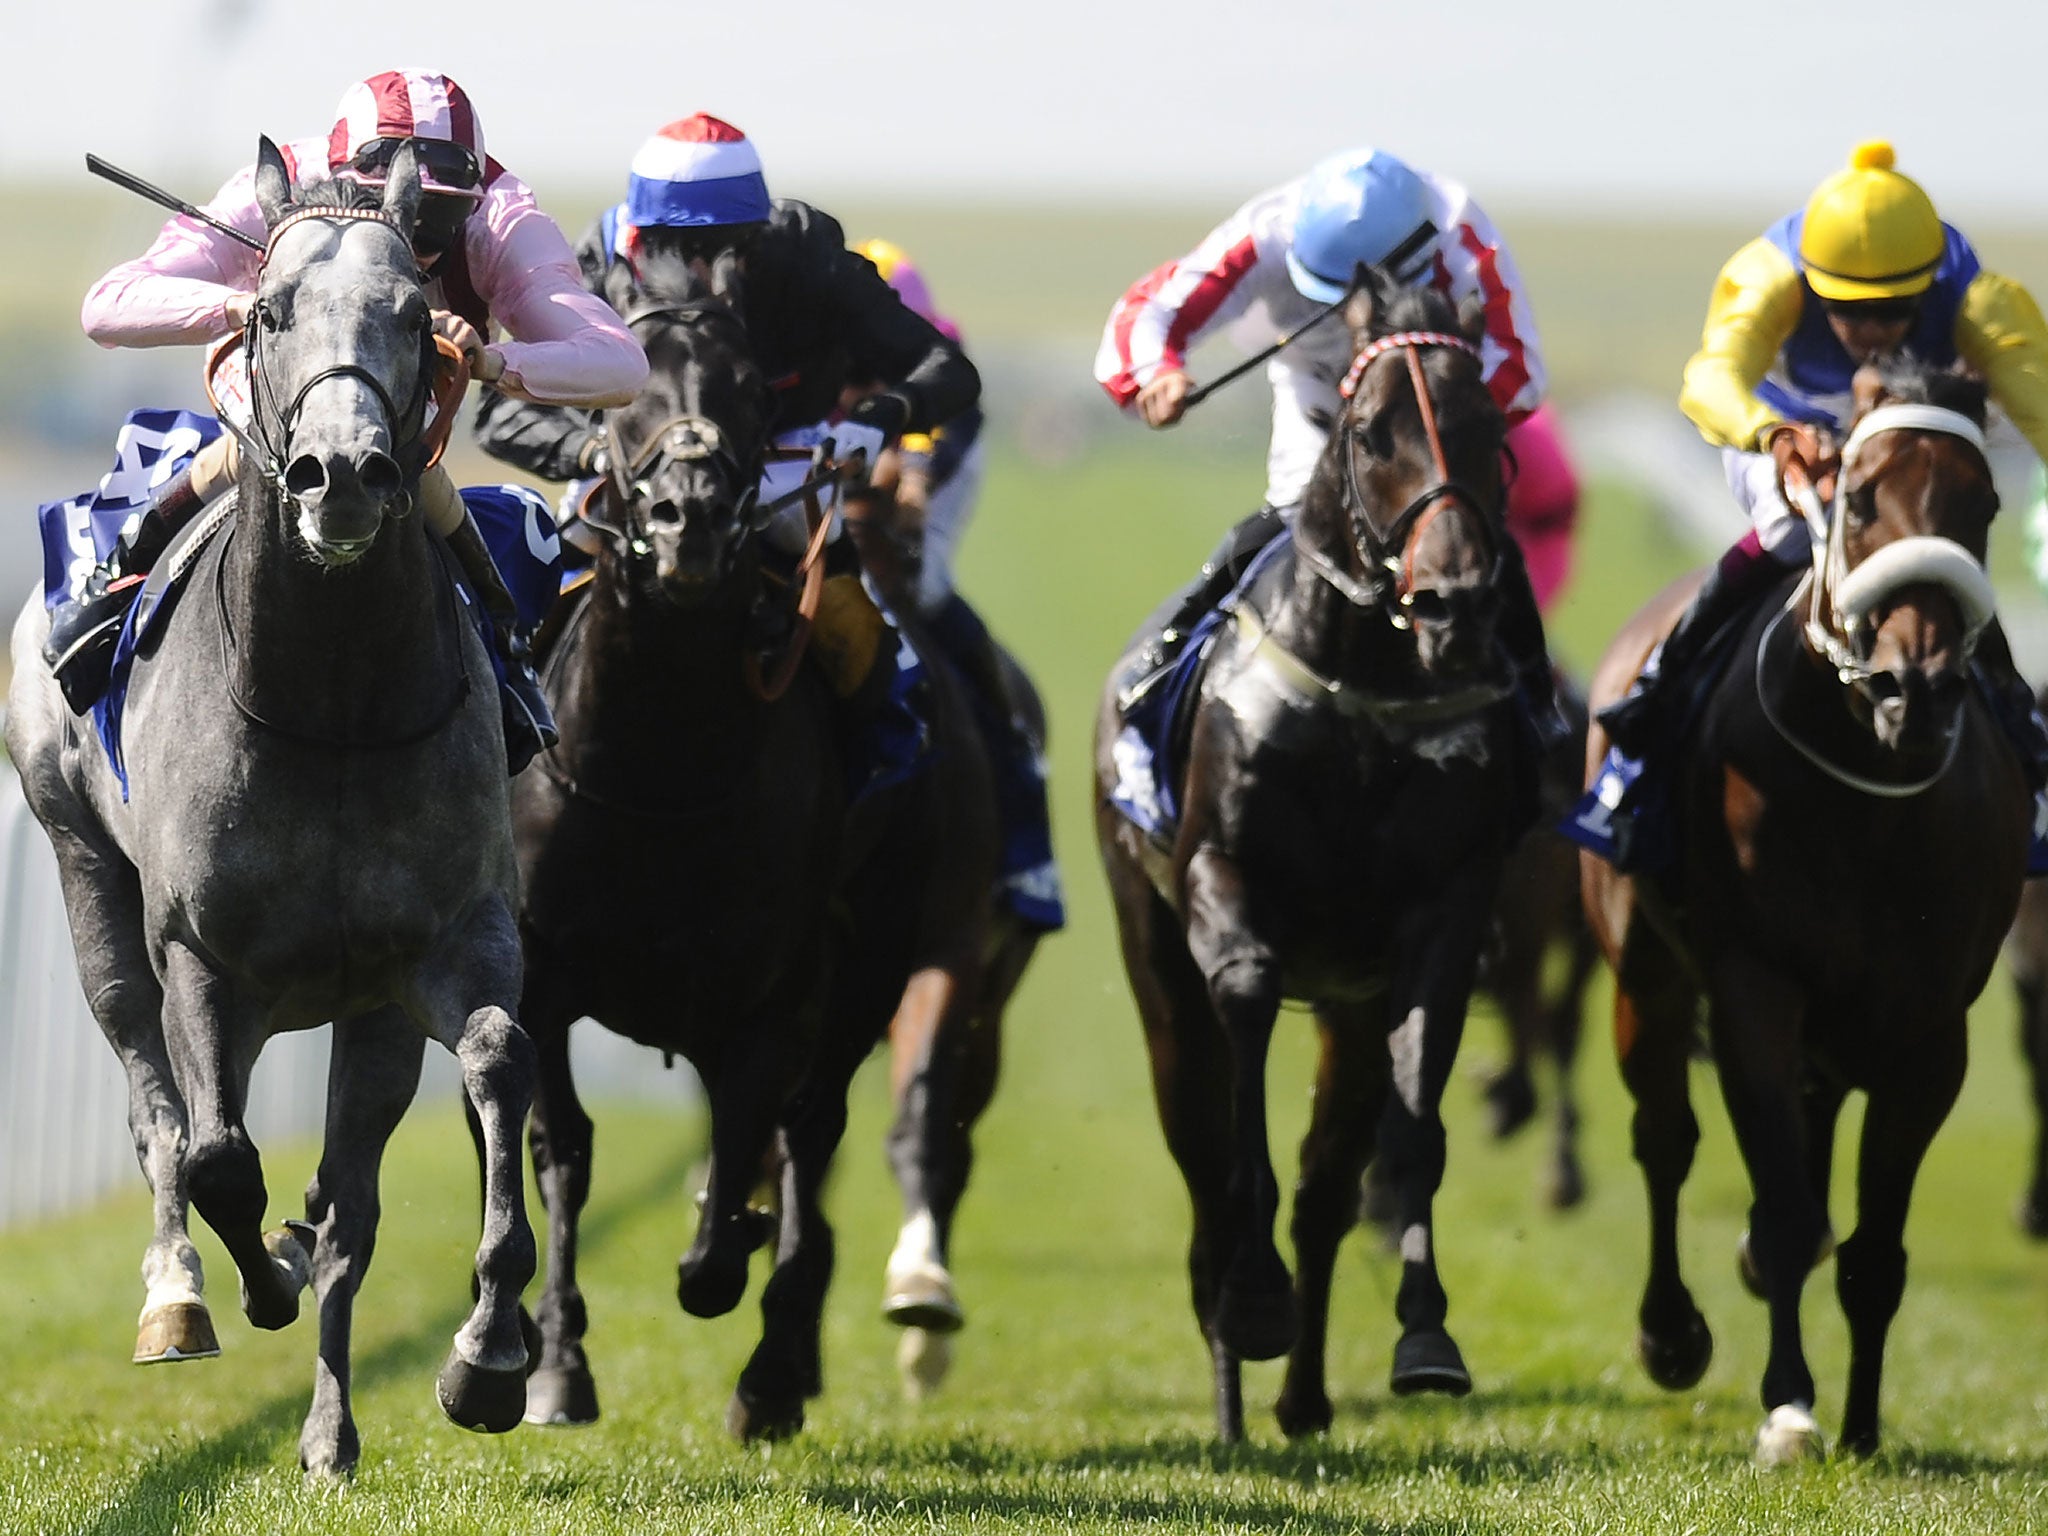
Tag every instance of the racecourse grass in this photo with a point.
(1080, 1399)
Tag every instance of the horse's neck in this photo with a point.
(1324, 629)
(640, 666)
(359, 653)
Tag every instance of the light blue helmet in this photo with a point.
(1360, 206)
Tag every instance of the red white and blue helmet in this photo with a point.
(378, 114)
(1360, 206)
(697, 171)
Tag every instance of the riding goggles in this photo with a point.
(444, 165)
(1878, 311)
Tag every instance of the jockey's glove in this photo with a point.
(888, 413)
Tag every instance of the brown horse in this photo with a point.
(2026, 956)
(1851, 829)
(943, 1062)
(1355, 777)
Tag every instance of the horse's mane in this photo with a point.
(1417, 309)
(1909, 381)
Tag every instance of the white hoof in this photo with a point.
(922, 1360)
(1789, 1435)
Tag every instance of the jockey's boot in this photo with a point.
(2012, 701)
(529, 723)
(1222, 571)
(83, 632)
(1521, 633)
(1644, 718)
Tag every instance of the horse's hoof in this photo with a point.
(181, 1330)
(1753, 1278)
(477, 1397)
(1677, 1363)
(923, 1357)
(712, 1285)
(1429, 1361)
(920, 1295)
(561, 1395)
(1567, 1185)
(290, 1248)
(1300, 1414)
(1510, 1102)
(748, 1419)
(1257, 1326)
(1789, 1435)
(326, 1463)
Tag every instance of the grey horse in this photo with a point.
(316, 826)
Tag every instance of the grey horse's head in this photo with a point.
(340, 353)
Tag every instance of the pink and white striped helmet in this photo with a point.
(377, 114)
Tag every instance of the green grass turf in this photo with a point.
(1080, 1399)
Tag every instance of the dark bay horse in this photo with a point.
(1852, 829)
(315, 825)
(694, 875)
(941, 1084)
(1355, 778)
(2026, 956)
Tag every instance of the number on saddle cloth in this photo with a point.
(80, 531)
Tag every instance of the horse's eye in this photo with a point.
(1376, 437)
(1862, 505)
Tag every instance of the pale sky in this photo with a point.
(1542, 104)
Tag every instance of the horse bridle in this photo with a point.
(1388, 557)
(408, 440)
(1840, 599)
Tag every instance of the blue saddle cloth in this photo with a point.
(1150, 749)
(898, 745)
(151, 447)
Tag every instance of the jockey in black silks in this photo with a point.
(819, 317)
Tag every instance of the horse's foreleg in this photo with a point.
(1351, 1086)
(1439, 950)
(1256, 1316)
(466, 1005)
(373, 1071)
(1906, 1108)
(561, 1389)
(1653, 1028)
(1564, 1017)
(1758, 1025)
(2033, 1000)
(212, 1038)
(752, 1079)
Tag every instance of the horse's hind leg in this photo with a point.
(466, 1004)
(1653, 1032)
(561, 1389)
(1351, 1087)
(104, 902)
(2031, 977)
(1904, 1112)
(928, 1145)
(213, 1038)
(373, 1072)
(1564, 1017)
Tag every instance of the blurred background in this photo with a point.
(1034, 160)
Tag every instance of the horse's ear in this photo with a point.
(619, 283)
(1472, 319)
(402, 189)
(273, 182)
(1370, 290)
(725, 276)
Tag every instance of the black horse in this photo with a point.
(697, 875)
(1355, 777)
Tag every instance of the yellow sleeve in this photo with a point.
(1755, 308)
(2000, 333)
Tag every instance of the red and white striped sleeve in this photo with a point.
(1168, 310)
(1472, 259)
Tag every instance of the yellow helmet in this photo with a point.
(886, 255)
(1870, 233)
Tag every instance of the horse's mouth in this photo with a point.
(332, 552)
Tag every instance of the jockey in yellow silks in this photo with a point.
(1865, 269)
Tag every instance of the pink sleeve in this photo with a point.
(173, 293)
(565, 346)
(1165, 312)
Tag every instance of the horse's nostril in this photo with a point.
(1428, 606)
(380, 476)
(666, 513)
(305, 476)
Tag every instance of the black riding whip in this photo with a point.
(1197, 396)
(156, 194)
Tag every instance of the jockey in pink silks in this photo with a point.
(505, 291)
